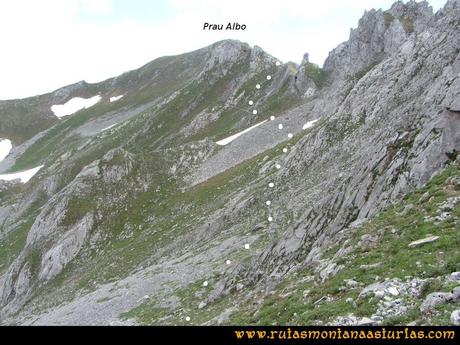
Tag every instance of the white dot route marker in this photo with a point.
(272, 118)
(278, 166)
(280, 126)
(187, 318)
(254, 112)
(270, 219)
(251, 102)
(285, 150)
(278, 63)
(271, 185)
(268, 202)
(269, 77)
(205, 283)
(290, 135)
(246, 246)
(258, 86)
(228, 262)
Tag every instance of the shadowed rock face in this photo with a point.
(153, 204)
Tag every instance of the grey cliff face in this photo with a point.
(379, 34)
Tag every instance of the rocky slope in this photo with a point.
(150, 221)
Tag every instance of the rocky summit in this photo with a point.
(223, 186)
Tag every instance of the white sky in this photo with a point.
(47, 44)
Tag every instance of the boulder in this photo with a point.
(423, 241)
(202, 305)
(455, 317)
(434, 299)
(365, 321)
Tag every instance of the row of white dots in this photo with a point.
(271, 184)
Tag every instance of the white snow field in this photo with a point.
(229, 139)
(24, 176)
(309, 124)
(107, 128)
(5, 148)
(74, 105)
(115, 98)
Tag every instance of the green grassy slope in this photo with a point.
(293, 300)
(396, 229)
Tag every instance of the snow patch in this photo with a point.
(107, 128)
(234, 136)
(24, 176)
(5, 148)
(115, 98)
(74, 105)
(309, 124)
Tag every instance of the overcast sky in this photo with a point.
(47, 44)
